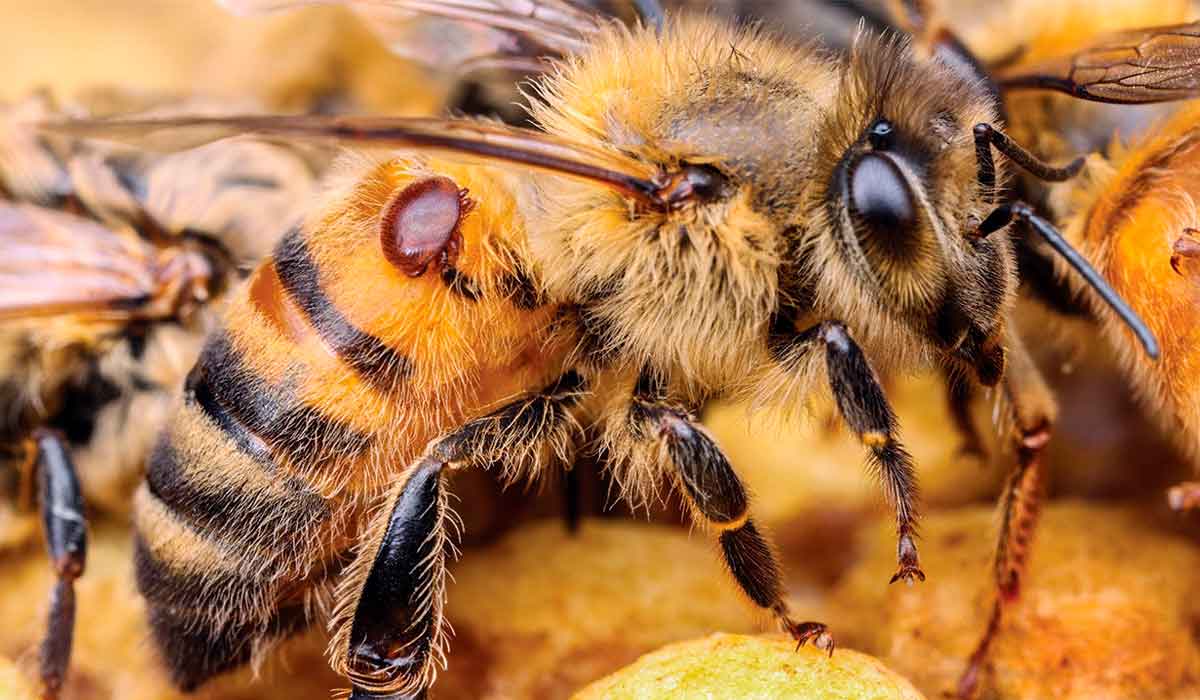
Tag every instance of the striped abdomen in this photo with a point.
(331, 371)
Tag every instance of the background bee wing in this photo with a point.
(1158, 64)
(464, 34)
(476, 140)
(30, 168)
(57, 263)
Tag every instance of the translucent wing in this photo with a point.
(1158, 64)
(55, 263)
(475, 140)
(464, 34)
(31, 169)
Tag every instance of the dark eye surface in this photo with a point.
(879, 196)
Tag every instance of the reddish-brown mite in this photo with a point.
(420, 224)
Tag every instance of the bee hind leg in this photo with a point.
(61, 504)
(1033, 411)
(717, 499)
(397, 618)
(390, 634)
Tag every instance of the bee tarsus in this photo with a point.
(396, 622)
(755, 568)
(572, 493)
(817, 633)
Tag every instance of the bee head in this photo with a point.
(901, 203)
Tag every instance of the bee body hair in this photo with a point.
(330, 370)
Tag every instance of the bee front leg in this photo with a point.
(61, 504)
(716, 498)
(862, 404)
(1033, 410)
(389, 632)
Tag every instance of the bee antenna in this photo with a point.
(988, 136)
(651, 12)
(1021, 211)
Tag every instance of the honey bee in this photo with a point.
(112, 259)
(707, 211)
(1125, 212)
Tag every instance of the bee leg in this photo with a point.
(397, 618)
(1033, 410)
(861, 401)
(390, 634)
(718, 499)
(61, 504)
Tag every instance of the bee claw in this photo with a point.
(910, 564)
(818, 633)
(910, 574)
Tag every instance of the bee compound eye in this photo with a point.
(880, 197)
(420, 224)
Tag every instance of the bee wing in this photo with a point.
(57, 263)
(31, 169)
(462, 34)
(1158, 64)
(476, 140)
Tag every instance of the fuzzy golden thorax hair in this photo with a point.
(770, 134)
